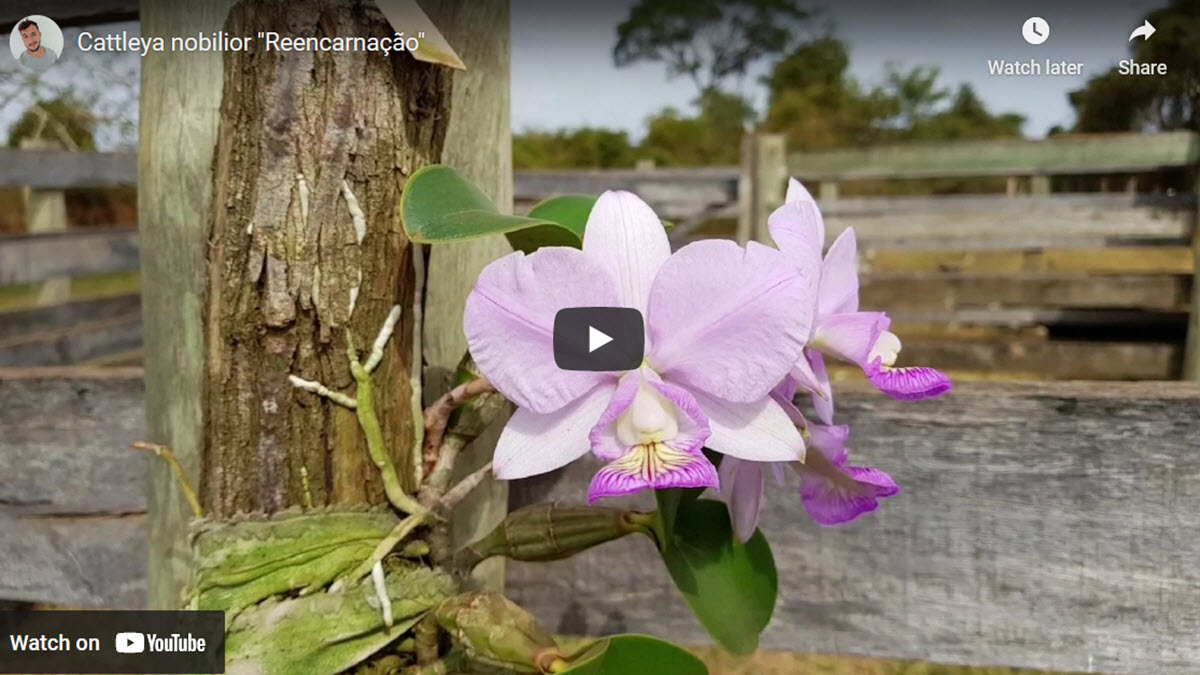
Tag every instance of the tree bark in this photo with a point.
(287, 276)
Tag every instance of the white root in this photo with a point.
(321, 390)
(385, 603)
(385, 334)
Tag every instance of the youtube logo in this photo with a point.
(130, 643)
(599, 338)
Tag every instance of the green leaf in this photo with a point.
(439, 205)
(568, 213)
(731, 587)
(671, 499)
(635, 655)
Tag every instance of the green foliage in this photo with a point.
(819, 106)
(731, 587)
(1114, 102)
(324, 633)
(635, 655)
(712, 138)
(241, 563)
(62, 122)
(568, 149)
(439, 205)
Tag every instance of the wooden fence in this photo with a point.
(1029, 283)
(1040, 525)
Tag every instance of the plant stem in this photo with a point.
(369, 423)
(173, 461)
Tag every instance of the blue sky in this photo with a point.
(563, 74)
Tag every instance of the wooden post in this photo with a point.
(478, 144)
(1039, 184)
(1191, 362)
(828, 192)
(258, 262)
(762, 185)
(179, 112)
(45, 212)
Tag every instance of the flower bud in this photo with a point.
(553, 531)
(497, 632)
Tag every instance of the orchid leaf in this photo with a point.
(670, 500)
(635, 655)
(731, 587)
(439, 205)
(568, 213)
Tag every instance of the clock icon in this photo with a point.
(1035, 30)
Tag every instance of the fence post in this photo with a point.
(478, 144)
(1191, 361)
(762, 185)
(45, 212)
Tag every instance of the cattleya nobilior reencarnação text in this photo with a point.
(724, 326)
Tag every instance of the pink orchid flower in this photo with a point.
(840, 329)
(724, 324)
(832, 492)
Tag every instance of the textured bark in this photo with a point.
(280, 274)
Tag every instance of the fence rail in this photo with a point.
(1052, 531)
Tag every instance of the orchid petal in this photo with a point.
(534, 443)
(652, 466)
(857, 492)
(908, 384)
(625, 237)
(810, 373)
(849, 337)
(509, 323)
(742, 487)
(830, 441)
(603, 436)
(798, 194)
(838, 290)
(760, 431)
(728, 321)
(797, 231)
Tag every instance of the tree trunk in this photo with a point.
(251, 255)
(302, 136)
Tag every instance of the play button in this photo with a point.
(598, 338)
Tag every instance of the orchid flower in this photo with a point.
(724, 324)
(832, 492)
(840, 329)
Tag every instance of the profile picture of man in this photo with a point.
(39, 45)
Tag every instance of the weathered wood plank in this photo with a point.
(1051, 527)
(1041, 525)
(675, 194)
(73, 344)
(1052, 359)
(66, 443)
(89, 561)
(25, 259)
(1116, 260)
(968, 221)
(74, 12)
(42, 319)
(1069, 154)
(932, 291)
(65, 168)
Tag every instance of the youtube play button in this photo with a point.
(599, 338)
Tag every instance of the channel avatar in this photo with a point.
(36, 42)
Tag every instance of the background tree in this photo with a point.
(1114, 102)
(708, 41)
